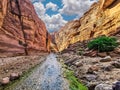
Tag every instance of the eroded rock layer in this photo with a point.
(21, 28)
(103, 18)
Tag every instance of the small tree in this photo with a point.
(103, 44)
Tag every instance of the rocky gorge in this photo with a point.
(23, 33)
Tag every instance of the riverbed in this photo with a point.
(47, 76)
(51, 74)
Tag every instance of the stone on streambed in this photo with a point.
(91, 77)
(91, 85)
(92, 69)
(108, 68)
(106, 59)
(14, 76)
(78, 64)
(116, 86)
(117, 50)
(116, 64)
(70, 61)
(5, 81)
(103, 87)
(103, 54)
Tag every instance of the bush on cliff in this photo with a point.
(103, 44)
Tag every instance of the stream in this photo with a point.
(47, 76)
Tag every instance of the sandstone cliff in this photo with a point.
(20, 28)
(103, 18)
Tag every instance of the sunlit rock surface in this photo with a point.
(20, 26)
(103, 18)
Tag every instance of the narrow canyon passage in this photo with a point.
(47, 76)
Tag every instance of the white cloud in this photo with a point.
(39, 7)
(70, 7)
(53, 22)
(75, 7)
(52, 6)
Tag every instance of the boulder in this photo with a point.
(102, 54)
(108, 68)
(116, 86)
(92, 69)
(117, 50)
(103, 87)
(91, 85)
(116, 64)
(5, 81)
(113, 54)
(90, 77)
(106, 59)
(78, 64)
(71, 60)
(14, 76)
(91, 53)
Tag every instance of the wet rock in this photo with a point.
(14, 76)
(103, 87)
(106, 59)
(5, 81)
(90, 77)
(116, 64)
(103, 54)
(92, 69)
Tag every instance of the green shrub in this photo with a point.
(103, 44)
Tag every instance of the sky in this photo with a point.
(56, 13)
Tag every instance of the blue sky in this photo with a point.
(56, 13)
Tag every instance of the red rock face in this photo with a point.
(21, 28)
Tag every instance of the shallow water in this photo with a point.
(47, 76)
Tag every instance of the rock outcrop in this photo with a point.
(20, 28)
(103, 18)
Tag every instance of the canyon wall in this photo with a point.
(103, 18)
(20, 28)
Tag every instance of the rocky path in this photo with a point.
(48, 76)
